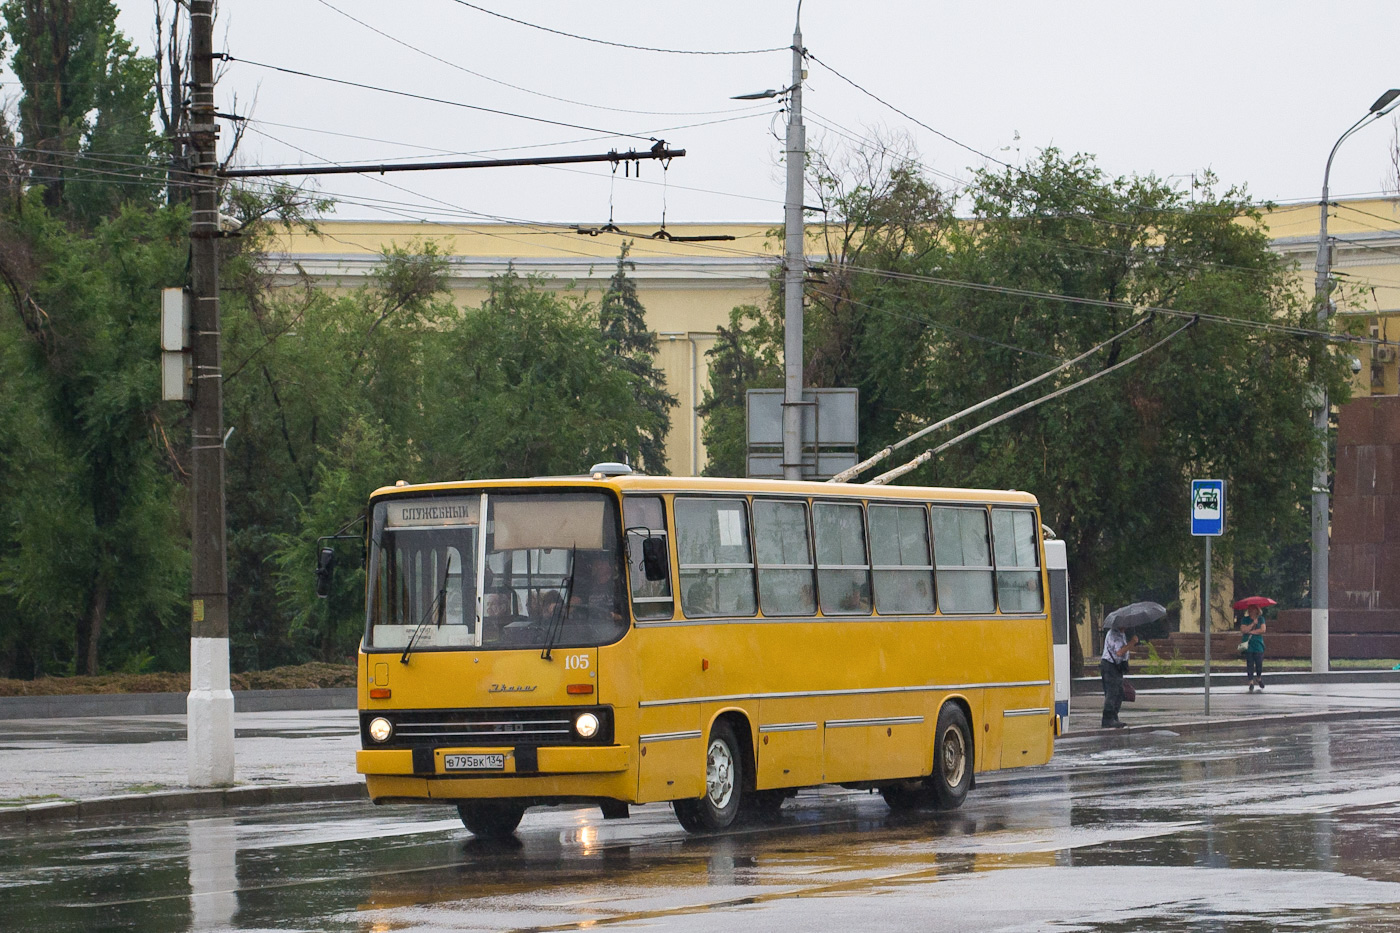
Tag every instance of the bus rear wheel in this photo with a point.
(724, 783)
(952, 759)
(491, 819)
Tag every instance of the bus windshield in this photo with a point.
(549, 572)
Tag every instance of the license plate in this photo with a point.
(474, 762)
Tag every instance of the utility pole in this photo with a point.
(210, 705)
(795, 263)
(1321, 507)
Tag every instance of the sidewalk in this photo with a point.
(1182, 709)
(111, 765)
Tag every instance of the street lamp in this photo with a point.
(1321, 506)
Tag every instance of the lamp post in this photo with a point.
(1321, 505)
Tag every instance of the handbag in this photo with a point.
(1129, 694)
(1244, 644)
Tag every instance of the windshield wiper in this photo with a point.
(556, 628)
(440, 604)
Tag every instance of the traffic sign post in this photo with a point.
(1207, 521)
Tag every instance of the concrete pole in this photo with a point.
(1321, 504)
(795, 266)
(210, 705)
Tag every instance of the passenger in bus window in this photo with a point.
(857, 599)
(547, 604)
(497, 615)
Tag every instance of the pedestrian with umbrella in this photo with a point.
(1117, 646)
(1252, 638)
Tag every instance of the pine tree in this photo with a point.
(622, 319)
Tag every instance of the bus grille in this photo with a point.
(490, 727)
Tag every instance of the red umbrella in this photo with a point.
(1254, 602)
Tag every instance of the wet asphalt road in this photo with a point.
(1295, 828)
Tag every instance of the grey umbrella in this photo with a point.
(1133, 615)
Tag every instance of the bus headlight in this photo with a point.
(380, 729)
(586, 725)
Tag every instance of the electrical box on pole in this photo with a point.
(175, 366)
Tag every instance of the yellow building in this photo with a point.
(1365, 237)
(688, 287)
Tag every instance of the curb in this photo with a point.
(254, 795)
(78, 705)
(1196, 726)
(1084, 686)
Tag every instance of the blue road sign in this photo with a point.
(1207, 507)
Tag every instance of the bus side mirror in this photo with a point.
(325, 570)
(655, 565)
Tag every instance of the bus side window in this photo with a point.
(843, 569)
(644, 517)
(716, 565)
(964, 560)
(784, 548)
(1017, 559)
(900, 556)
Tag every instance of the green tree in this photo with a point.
(394, 382)
(622, 319)
(741, 359)
(324, 392)
(892, 312)
(85, 114)
(94, 554)
(1111, 461)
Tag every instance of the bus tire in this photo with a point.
(724, 783)
(491, 819)
(952, 758)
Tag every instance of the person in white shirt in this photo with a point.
(1112, 666)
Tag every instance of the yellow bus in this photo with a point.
(621, 639)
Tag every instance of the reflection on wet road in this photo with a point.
(1279, 831)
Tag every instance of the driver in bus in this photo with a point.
(594, 598)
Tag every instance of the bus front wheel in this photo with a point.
(491, 819)
(952, 758)
(724, 782)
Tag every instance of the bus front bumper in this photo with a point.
(528, 772)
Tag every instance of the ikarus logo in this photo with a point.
(512, 688)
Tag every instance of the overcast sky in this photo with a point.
(1255, 91)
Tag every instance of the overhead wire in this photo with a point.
(516, 87)
(619, 45)
(912, 119)
(433, 100)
